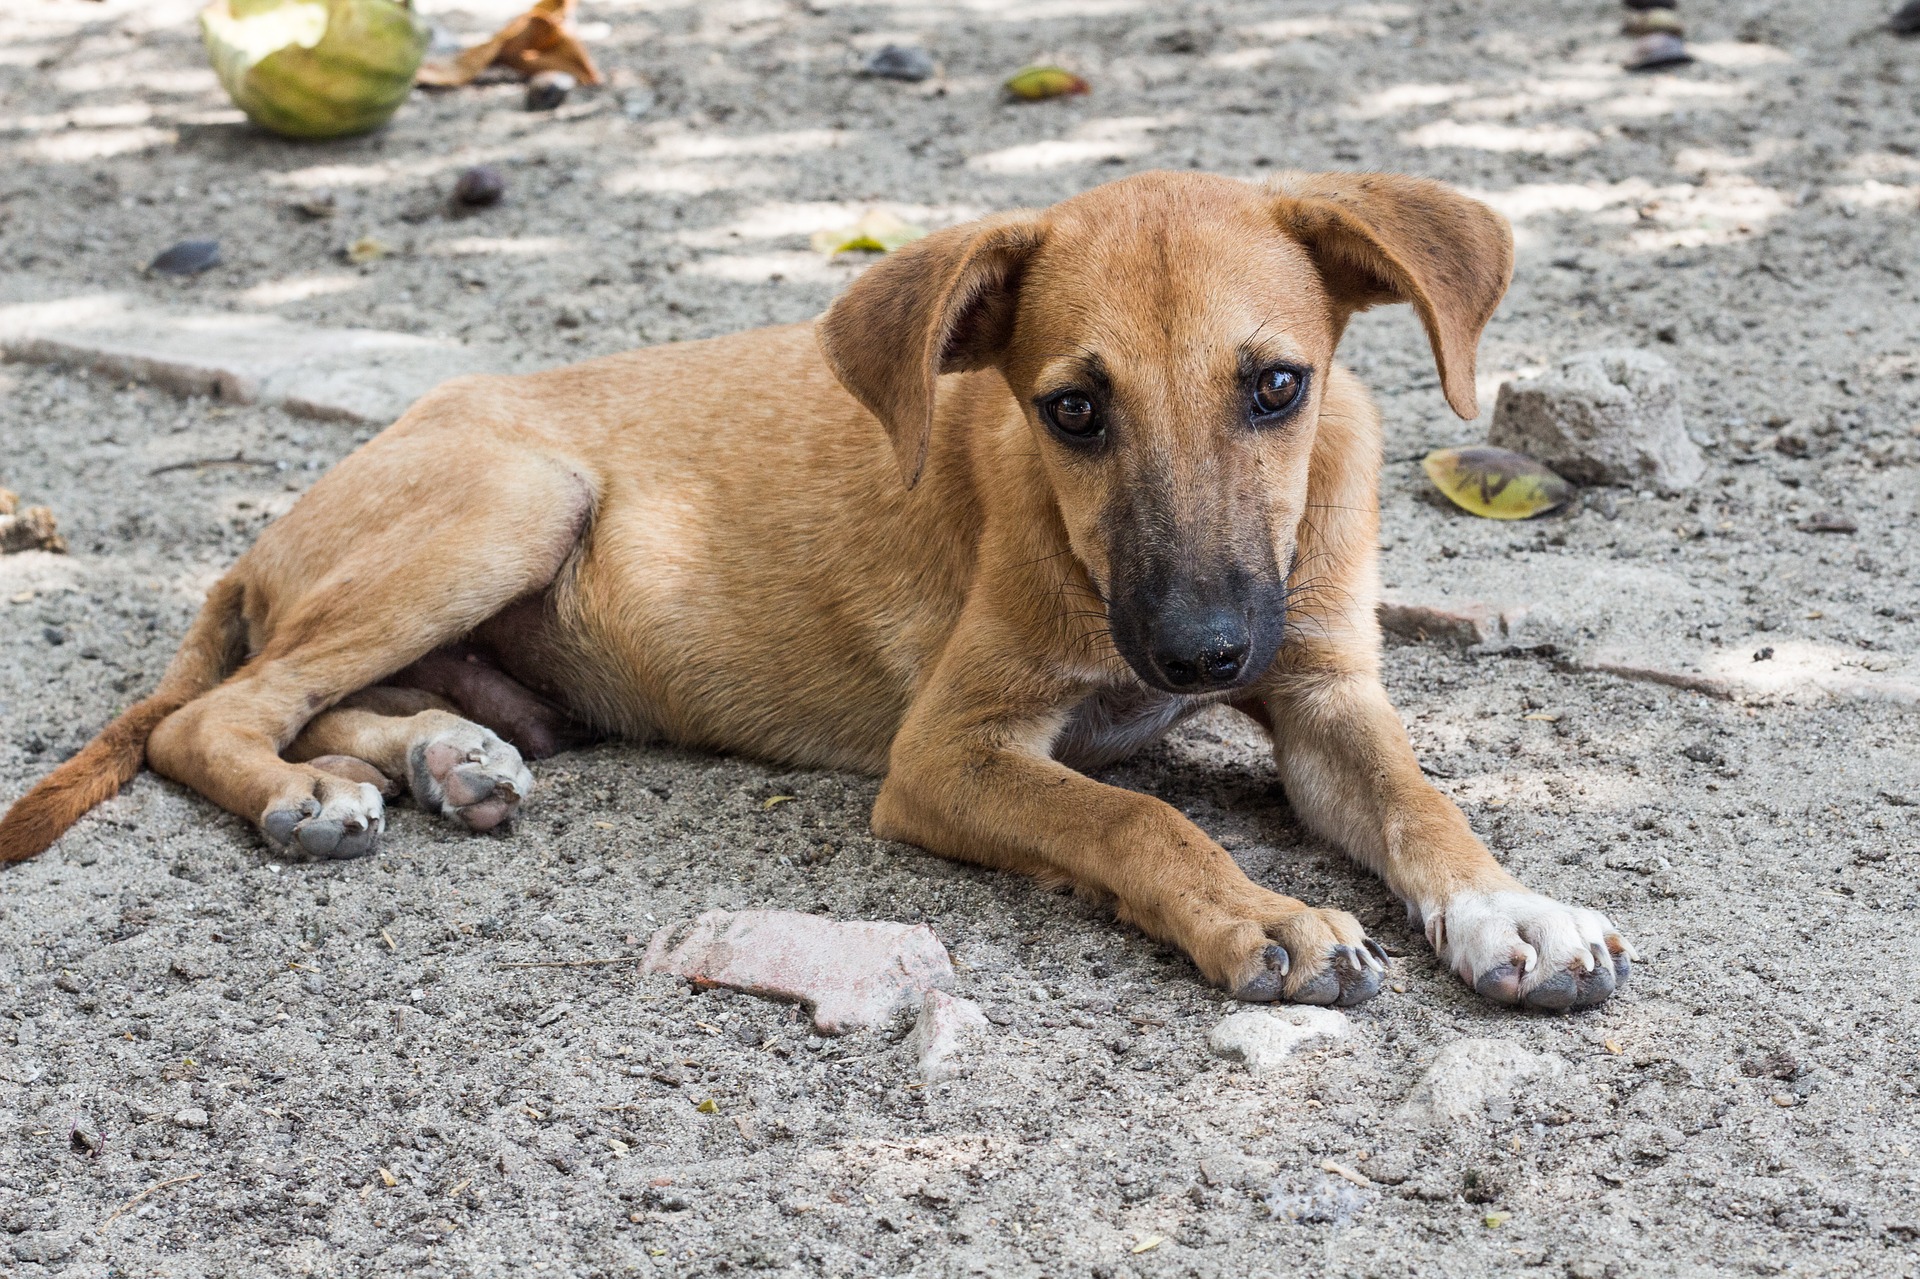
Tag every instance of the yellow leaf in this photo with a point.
(1034, 84)
(1149, 1243)
(1495, 1220)
(877, 232)
(366, 249)
(388, 1180)
(1613, 1048)
(708, 1107)
(1496, 483)
(777, 799)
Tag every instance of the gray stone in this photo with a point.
(1262, 1038)
(1470, 1074)
(44, 1246)
(350, 375)
(191, 1117)
(899, 62)
(945, 1022)
(1602, 417)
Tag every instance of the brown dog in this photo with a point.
(1135, 484)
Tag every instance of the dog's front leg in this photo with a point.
(1350, 774)
(971, 778)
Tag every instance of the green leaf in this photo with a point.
(1033, 84)
(1496, 483)
(877, 232)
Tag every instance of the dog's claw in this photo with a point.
(1265, 986)
(1623, 956)
(280, 823)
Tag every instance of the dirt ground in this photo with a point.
(328, 1070)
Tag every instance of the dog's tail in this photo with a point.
(109, 761)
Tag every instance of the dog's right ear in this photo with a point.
(943, 304)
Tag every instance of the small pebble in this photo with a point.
(189, 257)
(479, 187)
(1661, 49)
(1828, 522)
(85, 1135)
(899, 62)
(318, 204)
(191, 1117)
(548, 90)
(54, 636)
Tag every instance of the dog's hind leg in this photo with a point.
(392, 555)
(453, 766)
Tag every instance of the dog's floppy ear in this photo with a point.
(943, 304)
(1381, 238)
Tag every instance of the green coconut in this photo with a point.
(315, 68)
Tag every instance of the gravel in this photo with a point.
(427, 1111)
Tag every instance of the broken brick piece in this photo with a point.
(849, 975)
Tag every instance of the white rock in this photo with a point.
(191, 1117)
(945, 1022)
(1472, 1072)
(1262, 1038)
(1602, 417)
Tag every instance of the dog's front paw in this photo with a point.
(1308, 955)
(329, 818)
(1517, 947)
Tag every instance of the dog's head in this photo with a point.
(1169, 337)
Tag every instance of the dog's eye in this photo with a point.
(1277, 389)
(1072, 414)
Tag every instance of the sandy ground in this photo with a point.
(328, 1070)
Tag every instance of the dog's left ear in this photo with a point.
(1382, 238)
(943, 304)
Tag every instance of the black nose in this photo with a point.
(1207, 653)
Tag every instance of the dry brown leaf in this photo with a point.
(32, 529)
(536, 41)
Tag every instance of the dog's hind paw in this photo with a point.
(338, 819)
(469, 774)
(1524, 948)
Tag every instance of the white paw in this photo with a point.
(467, 773)
(1523, 948)
(337, 820)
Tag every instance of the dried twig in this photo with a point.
(196, 462)
(573, 963)
(128, 1206)
(1341, 1170)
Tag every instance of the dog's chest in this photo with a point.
(1114, 723)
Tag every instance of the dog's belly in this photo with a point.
(1116, 722)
